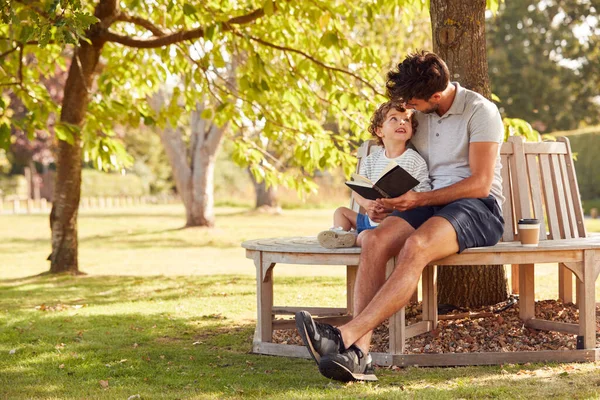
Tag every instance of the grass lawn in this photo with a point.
(169, 313)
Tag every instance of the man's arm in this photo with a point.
(482, 161)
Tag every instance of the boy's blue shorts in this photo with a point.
(363, 223)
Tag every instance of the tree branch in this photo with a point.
(144, 23)
(309, 57)
(179, 36)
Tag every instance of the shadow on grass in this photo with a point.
(30, 292)
(122, 339)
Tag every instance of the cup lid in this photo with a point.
(529, 221)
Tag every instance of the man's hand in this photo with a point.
(407, 201)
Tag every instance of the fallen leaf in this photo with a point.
(135, 345)
(123, 360)
(61, 366)
(103, 384)
(135, 396)
(13, 351)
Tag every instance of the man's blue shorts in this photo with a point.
(477, 222)
(363, 223)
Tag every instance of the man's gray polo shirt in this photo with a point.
(444, 141)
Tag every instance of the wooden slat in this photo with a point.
(568, 195)
(507, 208)
(441, 360)
(315, 311)
(418, 328)
(545, 325)
(548, 187)
(291, 324)
(563, 219)
(545, 148)
(536, 192)
(574, 188)
(519, 180)
(500, 258)
(458, 359)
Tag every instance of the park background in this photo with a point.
(168, 311)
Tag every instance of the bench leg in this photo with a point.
(264, 299)
(351, 271)
(397, 322)
(514, 278)
(565, 284)
(429, 304)
(587, 302)
(527, 292)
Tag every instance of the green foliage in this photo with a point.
(150, 162)
(587, 165)
(519, 127)
(97, 183)
(287, 81)
(543, 62)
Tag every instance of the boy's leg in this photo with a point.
(344, 218)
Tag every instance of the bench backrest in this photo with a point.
(538, 181)
(543, 185)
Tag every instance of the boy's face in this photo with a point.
(396, 127)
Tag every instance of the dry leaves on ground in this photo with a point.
(503, 332)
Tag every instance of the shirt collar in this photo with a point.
(459, 103)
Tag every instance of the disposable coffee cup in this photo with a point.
(529, 232)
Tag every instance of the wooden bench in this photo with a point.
(538, 182)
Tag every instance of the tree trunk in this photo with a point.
(459, 39)
(265, 197)
(194, 179)
(67, 186)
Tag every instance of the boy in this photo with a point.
(392, 126)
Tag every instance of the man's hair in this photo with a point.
(419, 76)
(379, 118)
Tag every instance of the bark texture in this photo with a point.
(459, 39)
(67, 186)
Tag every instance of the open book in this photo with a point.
(394, 182)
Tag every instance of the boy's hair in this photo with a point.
(419, 76)
(379, 118)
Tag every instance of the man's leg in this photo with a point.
(435, 239)
(379, 245)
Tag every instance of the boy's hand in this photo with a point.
(377, 212)
(407, 201)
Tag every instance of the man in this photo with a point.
(460, 136)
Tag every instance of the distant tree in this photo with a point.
(543, 62)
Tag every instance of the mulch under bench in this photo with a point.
(502, 332)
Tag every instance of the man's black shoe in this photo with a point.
(320, 339)
(351, 365)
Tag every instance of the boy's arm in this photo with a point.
(482, 160)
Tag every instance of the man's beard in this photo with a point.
(432, 109)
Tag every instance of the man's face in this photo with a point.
(424, 106)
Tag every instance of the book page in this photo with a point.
(360, 178)
(359, 183)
